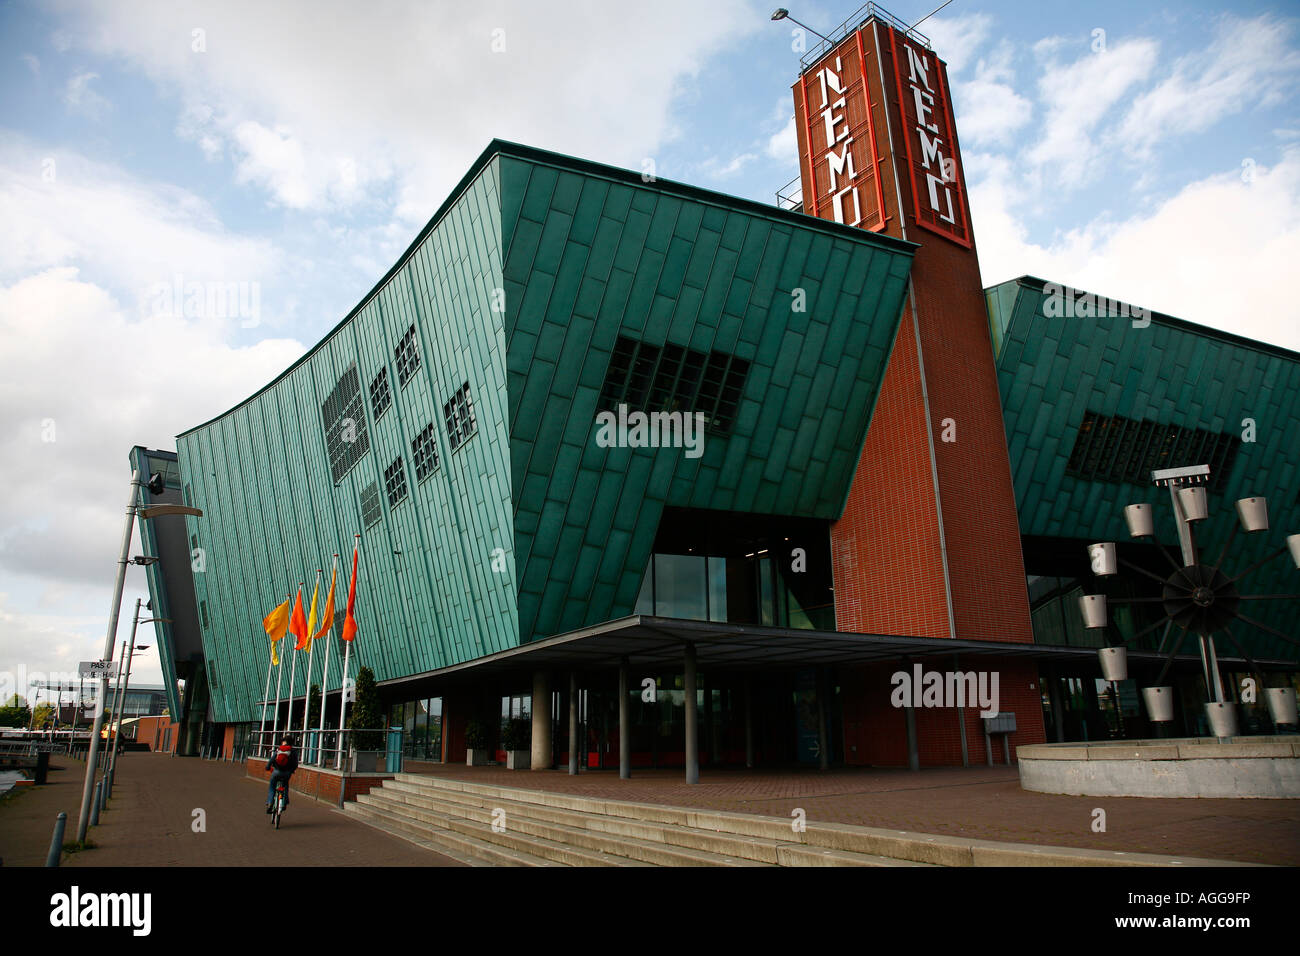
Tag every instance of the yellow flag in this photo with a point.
(311, 616)
(327, 619)
(276, 624)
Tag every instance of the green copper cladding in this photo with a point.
(593, 254)
(1053, 370)
(520, 286)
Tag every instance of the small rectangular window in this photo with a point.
(380, 394)
(459, 414)
(203, 613)
(370, 507)
(407, 356)
(424, 454)
(395, 481)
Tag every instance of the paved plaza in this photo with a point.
(151, 817)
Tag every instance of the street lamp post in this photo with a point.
(126, 687)
(156, 485)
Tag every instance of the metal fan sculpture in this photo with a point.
(1196, 597)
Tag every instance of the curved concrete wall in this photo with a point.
(1267, 767)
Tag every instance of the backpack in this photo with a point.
(282, 759)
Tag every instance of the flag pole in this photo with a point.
(347, 655)
(266, 696)
(325, 675)
(311, 649)
(293, 673)
(279, 676)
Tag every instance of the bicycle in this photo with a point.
(279, 804)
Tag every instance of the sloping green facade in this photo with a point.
(520, 286)
(1053, 370)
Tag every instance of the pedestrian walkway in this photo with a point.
(983, 803)
(152, 822)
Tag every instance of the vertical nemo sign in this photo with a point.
(837, 139)
(929, 139)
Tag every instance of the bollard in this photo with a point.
(108, 784)
(95, 803)
(56, 843)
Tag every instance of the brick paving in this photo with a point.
(150, 817)
(981, 802)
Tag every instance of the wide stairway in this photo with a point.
(540, 828)
(487, 825)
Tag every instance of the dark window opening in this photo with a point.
(370, 508)
(675, 379)
(395, 481)
(407, 356)
(1115, 449)
(381, 396)
(424, 454)
(459, 414)
(347, 438)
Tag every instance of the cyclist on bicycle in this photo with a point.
(282, 763)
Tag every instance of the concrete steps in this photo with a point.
(537, 828)
(544, 828)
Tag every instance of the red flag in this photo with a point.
(350, 622)
(298, 623)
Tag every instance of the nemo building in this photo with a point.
(682, 479)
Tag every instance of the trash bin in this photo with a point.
(42, 766)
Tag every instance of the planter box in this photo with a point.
(368, 761)
(478, 758)
(519, 759)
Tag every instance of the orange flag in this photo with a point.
(298, 623)
(350, 622)
(276, 624)
(327, 619)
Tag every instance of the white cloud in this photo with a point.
(1211, 254)
(784, 144)
(1077, 96)
(956, 38)
(81, 98)
(1249, 62)
(31, 63)
(988, 108)
(409, 91)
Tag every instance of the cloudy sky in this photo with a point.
(1147, 151)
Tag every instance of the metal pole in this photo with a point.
(98, 799)
(823, 738)
(56, 841)
(293, 684)
(343, 703)
(311, 650)
(624, 725)
(266, 694)
(121, 707)
(692, 733)
(749, 723)
(83, 821)
(114, 717)
(279, 677)
(573, 722)
(126, 687)
(1187, 543)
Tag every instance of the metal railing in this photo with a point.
(790, 196)
(333, 749)
(855, 20)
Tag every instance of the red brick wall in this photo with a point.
(153, 731)
(888, 547)
(878, 730)
(321, 785)
(885, 549)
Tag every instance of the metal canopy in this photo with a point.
(659, 641)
